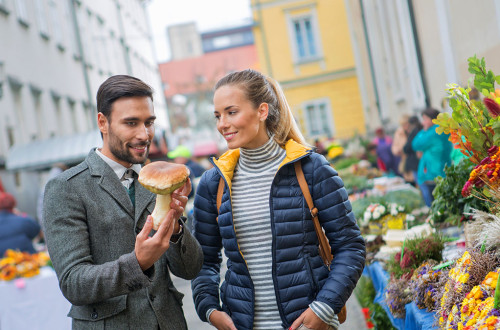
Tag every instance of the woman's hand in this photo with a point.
(221, 321)
(310, 320)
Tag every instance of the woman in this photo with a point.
(435, 150)
(398, 142)
(411, 163)
(275, 277)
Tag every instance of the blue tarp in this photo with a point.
(415, 318)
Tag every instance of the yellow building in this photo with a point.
(305, 45)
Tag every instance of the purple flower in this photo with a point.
(494, 312)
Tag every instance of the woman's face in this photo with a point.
(426, 122)
(239, 122)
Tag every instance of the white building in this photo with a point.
(407, 51)
(54, 54)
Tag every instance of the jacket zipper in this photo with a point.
(278, 300)
(234, 229)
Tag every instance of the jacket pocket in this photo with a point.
(99, 311)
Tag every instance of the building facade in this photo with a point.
(188, 82)
(54, 54)
(408, 51)
(305, 45)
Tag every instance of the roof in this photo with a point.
(183, 76)
(42, 154)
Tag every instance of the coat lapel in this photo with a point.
(143, 198)
(109, 182)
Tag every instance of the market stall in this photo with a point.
(30, 294)
(438, 267)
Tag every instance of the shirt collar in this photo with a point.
(118, 168)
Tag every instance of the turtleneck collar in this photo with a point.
(263, 155)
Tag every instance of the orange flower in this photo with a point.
(8, 272)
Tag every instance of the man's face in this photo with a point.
(129, 131)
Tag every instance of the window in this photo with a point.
(72, 114)
(3, 7)
(22, 12)
(319, 119)
(57, 29)
(41, 18)
(56, 100)
(303, 33)
(70, 24)
(36, 94)
(10, 136)
(304, 38)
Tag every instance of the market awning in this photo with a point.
(43, 154)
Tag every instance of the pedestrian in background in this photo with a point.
(182, 155)
(436, 150)
(275, 278)
(110, 264)
(398, 142)
(16, 231)
(386, 160)
(412, 160)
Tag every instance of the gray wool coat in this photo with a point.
(90, 230)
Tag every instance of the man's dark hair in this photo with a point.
(119, 86)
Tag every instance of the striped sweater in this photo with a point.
(251, 186)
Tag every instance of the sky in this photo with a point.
(207, 14)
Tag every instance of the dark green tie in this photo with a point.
(131, 190)
(131, 193)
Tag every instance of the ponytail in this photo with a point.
(286, 128)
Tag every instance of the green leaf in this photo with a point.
(443, 265)
(497, 79)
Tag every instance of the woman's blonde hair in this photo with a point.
(261, 89)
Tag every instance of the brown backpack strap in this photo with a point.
(325, 250)
(324, 246)
(220, 191)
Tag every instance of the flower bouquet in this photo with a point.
(469, 270)
(413, 253)
(425, 283)
(478, 303)
(397, 295)
(380, 217)
(21, 264)
(474, 127)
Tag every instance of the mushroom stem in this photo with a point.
(161, 209)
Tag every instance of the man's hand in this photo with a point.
(310, 320)
(222, 321)
(179, 201)
(149, 249)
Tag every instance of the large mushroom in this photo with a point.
(162, 178)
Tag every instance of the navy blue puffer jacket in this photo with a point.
(299, 274)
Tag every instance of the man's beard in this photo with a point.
(122, 152)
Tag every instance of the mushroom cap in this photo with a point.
(163, 178)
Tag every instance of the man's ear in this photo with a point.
(263, 111)
(102, 123)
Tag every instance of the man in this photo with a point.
(98, 228)
(16, 231)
